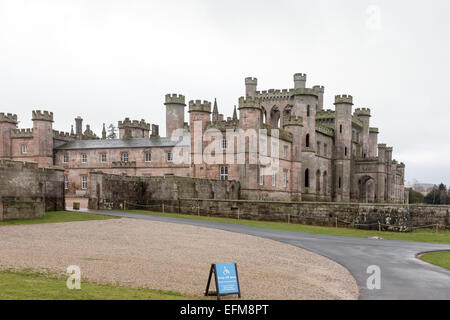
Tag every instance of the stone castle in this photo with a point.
(324, 154)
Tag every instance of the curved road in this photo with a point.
(403, 276)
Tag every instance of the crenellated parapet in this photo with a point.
(275, 94)
(173, 98)
(22, 133)
(300, 77)
(8, 117)
(64, 136)
(362, 112)
(325, 130)
(374, 130)
(42, 115)
(127, 123)
(249, 102)
(305, 92)
(200, 106)
(343, 99)
(325, 114)
(292, 120)
(251, 81)
(319, 89)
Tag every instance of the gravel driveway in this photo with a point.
(174, 257)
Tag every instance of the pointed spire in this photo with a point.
(235, 114)
(215, 113)
(104, 132)
(71, 130)
(215, 109)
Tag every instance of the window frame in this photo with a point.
(124, 157)
(84, 182)
(148, 156)
(83, 158)
(223, 173)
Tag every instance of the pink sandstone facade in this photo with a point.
(324, 154)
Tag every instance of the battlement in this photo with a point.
(300, 77)
(305, 92)
(127, 123)
(344, 98)
(251, 80)
(9, 117)
(60, 135)
(199, 106)
(249, 102)
(275, 94)
(291, 120)
(325, 114)
(401, 165)
(22, 133)
(362, 112)
(389, 148)
(382, 146)
(374, 130)
(175, 99)
(319, 89)
(42, 115)
(324, 130)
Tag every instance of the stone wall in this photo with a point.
(222, 198)
(27, 191)
(111, 191)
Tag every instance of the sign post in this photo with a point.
(226, 278)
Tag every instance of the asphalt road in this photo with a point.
(403, 276)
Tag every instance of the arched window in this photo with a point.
(307, 140)
(325, 183)
(307, 178)
(318, 181)
(308, 111)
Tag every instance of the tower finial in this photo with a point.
(235, 114)
(104, 132)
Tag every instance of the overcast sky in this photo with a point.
(107, 59)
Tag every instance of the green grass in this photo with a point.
(421, 235)
(33, 286)
(58, 216)
(441, 259)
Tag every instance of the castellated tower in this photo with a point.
(8, 122)
(133, 129)
(320, 90)
(293, 124)
(305, 102)
(250, 122)
(343, 129)
(174, 113)
(363, 114)
(299, 80)
(250, 87)
(373, 142)
(43, 137)
(79, 127)
(199, 116)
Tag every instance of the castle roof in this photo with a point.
(121, 143)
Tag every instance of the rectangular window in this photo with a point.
(148, 157)
(124, 157)
(66, 182)
(103, 157)
(284, 179)
(274, 179)
(24, 148)
(65, 158)
(169, 156)
(224, 144)
(84, 158)
(84, 182)
(223, 173)
(261, 176)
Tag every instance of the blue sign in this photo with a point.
(227, 280)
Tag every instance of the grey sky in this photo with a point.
(106, 60)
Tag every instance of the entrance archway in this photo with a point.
(367, 189)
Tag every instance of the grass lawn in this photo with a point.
(441, 259)
(33, 286)
(58, 216)
(422, 235)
